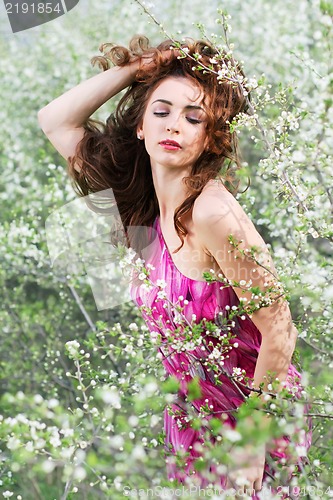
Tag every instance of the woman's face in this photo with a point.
(174, 124)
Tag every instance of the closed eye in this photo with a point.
(193, 120)
(190, 119)
(161, 113)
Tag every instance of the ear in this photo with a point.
(139, 132)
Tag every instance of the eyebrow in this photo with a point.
(189, 106)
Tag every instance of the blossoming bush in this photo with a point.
(83, 391)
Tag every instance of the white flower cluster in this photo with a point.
(238, 373)
(111, 396)
(127, 258)
(285, 121)
(73, 347)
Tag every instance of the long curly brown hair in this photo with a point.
(110, 154)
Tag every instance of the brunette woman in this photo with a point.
(169, 156)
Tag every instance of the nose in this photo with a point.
(173, 127)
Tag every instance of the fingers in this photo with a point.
(258, 484)
(241, 492)
(245, 481)
(247, 475)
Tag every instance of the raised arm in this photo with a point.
(63, 118)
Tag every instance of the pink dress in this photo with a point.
(208, 302)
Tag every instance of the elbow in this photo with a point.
(43, 120)
(40, 118)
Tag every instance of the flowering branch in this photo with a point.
(194, 334)
(229, 72)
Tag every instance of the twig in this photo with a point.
(250, 108)
(82, 308)
(67, 487)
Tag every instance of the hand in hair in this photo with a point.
(139, 51)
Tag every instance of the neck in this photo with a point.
(170, 190)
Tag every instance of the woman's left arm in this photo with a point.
(217, 215)
(279, 336)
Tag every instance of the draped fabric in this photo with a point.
(185, 358)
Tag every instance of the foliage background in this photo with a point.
(85, 420)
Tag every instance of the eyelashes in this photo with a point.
(193, 120)
(162, 114)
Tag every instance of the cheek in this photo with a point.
(150, 127)
(201, 139)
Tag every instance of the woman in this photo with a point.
(162, 153)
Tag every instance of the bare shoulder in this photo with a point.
(217, 214)
(214, 202)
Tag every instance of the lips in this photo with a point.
(170, 144)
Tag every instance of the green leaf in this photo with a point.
(171, 385)
(194, 389)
